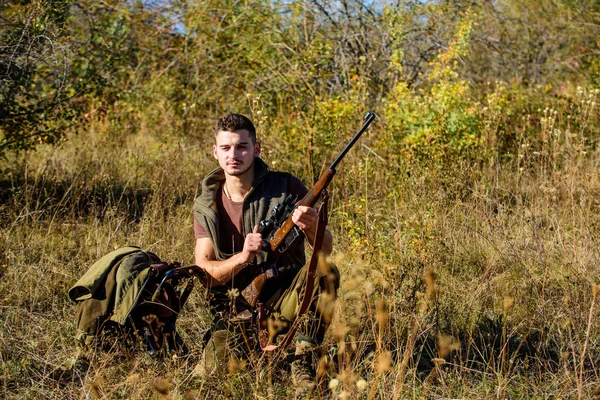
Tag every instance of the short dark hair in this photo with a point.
(236, 122)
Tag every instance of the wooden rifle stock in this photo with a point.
(252, 291)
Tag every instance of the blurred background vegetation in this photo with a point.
(466, 220)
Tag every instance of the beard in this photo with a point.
(240, 169)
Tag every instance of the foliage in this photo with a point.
(139, 62)
(34, 78)
(466, 219)
(441, 117)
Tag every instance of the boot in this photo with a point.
(302, 371)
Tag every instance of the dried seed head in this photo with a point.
(274, 326)
(361, 385)
(234, 365)
(333, 384)
(190, 395)
(430, 276)
(507, 304)
(347, 377)
(353, 343)
(382, 313)
(341, 347)
(323, 367)
(339, 332)
(595, 289)
(326, 306)
(233, 293)
(384, 362)
(96, 386)
(447, 344)
(324, 264)
(438, 361)
(162, 386)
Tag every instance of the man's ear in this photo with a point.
(215, 151)
(257, 149)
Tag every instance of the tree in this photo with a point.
(60, 59)
(34, 72)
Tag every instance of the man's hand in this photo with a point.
(305, 217)
(252, 246)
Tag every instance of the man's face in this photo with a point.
(235, 151)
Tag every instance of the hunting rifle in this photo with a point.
(280, 230)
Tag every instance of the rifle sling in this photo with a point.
(311, 275)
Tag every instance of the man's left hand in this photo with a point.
(305, 217)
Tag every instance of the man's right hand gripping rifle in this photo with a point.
(252, 246)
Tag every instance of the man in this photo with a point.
(234, 199)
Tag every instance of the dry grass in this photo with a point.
(466, 282)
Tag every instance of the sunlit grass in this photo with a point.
(474, 280)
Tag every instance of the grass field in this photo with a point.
(466, 278)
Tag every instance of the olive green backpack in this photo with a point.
(130, 296)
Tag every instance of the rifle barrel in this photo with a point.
(369, 118)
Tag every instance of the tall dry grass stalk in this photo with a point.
(580, 373)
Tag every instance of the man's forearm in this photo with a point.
(221, 272)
